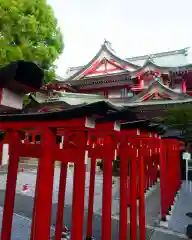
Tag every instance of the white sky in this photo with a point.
(134, 27)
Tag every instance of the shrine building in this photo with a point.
(143, 83)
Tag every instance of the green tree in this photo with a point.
(180, 118)
(29, 31)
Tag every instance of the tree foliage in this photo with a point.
(180, 118)
(29, 31)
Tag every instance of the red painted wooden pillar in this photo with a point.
(34, 207)
(14, 141)
(107, 188)
(123, 190)
(61, 201)
(1, 152)
(170, 173)
(91, 198)
(26, 140)
(79, 189)
(43, 202)
(157, 158)
(179, 166)
(133, 192)
(145, 156)
(155, 161)
(152, 164)
(142, 229)
(33, 137)
(147, 168)
(151, 155)
(163, 180)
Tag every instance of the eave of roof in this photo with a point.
(149, 63)
(156, 102)
(160, 54)
(130, 59)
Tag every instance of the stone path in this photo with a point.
(160, 235)
(21, 227)
(153, 207)
(24, 206)
(179, 220)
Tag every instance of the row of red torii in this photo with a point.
(143, 151)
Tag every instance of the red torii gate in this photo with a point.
(170, 173)
(98, 151)
(77, 130)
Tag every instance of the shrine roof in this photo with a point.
(158, 87)
(173, 137)
(143, 125)
(135, 124)
(151, 64)
(94, 109)
(36, 106)
(54, 85)
(170, 58)
(123, 114)
(151, 103)
(105, 52)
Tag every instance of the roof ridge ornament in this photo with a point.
(150, 59)
(108, 45)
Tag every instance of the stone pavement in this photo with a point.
(161, 235)
(21, 225)
(152, 207)
(179, 220)
(24, 207)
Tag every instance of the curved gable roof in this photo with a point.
(108, 50)
(157, 85)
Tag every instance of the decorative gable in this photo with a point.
(103, 66)
(156, 96)
(158, 91)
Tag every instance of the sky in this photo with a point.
(134, 27)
